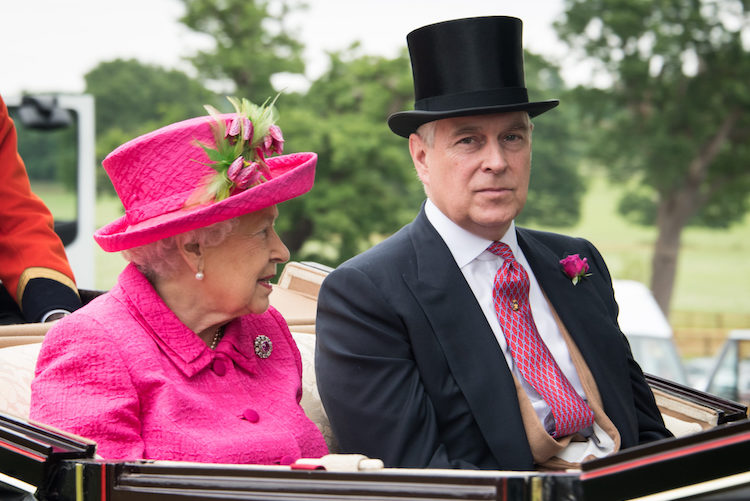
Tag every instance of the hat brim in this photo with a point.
(293, 175)
(404, 123)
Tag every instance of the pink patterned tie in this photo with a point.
(535, 362)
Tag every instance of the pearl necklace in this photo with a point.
(217, 337)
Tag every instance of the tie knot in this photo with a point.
(501, 249)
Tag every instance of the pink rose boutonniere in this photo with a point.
(575, 267)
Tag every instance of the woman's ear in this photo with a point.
(191, 253)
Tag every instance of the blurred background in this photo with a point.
(648, 155)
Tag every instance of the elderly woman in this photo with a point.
(184, 359)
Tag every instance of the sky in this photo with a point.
(49, 45)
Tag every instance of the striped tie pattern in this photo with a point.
(533, 359)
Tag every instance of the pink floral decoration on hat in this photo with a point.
(241, 147)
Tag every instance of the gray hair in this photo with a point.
(161, 258)
(427, 132)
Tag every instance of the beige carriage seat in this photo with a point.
(683, 417)
(12, 335)
(295, 296)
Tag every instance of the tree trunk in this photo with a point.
(675, 210)
(670, 221)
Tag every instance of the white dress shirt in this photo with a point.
(479, 266)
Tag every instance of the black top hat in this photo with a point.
(466, 67)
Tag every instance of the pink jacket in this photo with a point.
(126, 373)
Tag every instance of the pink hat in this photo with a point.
(201, 171)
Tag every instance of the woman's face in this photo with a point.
(238, 271)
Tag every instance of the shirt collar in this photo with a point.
(464, 245)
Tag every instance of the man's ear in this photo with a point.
(418, 151)
(191, 253)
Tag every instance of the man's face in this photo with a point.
(476, 171)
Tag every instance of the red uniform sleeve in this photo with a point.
(29, 247)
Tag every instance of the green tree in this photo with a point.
(49, 155)
(557, 184)
(364, 188)
(674, 125)
(252, 43)
(133, 98)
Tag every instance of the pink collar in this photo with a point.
(178, 343)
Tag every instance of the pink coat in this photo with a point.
(126, 373)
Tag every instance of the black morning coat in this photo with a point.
(410, 372)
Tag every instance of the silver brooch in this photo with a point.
(263, 346)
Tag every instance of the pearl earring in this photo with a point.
(199, 275)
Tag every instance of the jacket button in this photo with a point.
(251, 415)
(219, 366)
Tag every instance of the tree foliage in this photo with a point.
(557, 182)
(251, 42)
(675, 123)
(133, 98)
(49, 156)
(365, 185)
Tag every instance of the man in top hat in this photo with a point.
(463, 341)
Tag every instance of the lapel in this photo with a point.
(567, 299)
(474, 357)
(584, 314)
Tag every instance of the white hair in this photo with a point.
(427, 132)
(161, 258)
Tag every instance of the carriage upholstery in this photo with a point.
(295, 296)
